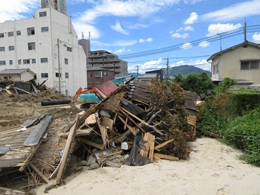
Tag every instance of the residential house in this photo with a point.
(239, 62)
(17, 75)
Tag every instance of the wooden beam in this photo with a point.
(88, 142)
(39, 173)
(163, 144)
(126, 111)
(66, 150)
(128, 126)
(167, 157)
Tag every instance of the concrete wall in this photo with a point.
(46, 46)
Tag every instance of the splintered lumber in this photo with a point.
(126, 111)
(103, 131)
(35, 136)
(149, 138)
(66, 150)
(164, 156)
(128, 126)
(39, 173)
(191, 119)
(107, 122)
(79, 133)
(88, 142)
(6, 191)
(163, 144)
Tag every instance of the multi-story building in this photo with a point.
(47, 44)
(107, 60)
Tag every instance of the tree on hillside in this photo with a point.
(199, 83)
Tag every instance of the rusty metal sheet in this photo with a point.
(107, 87)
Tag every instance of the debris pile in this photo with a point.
(136, 124)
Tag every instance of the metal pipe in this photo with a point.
(55, 102)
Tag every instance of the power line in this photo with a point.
(213, 38)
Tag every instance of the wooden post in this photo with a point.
(39, 173)
(66, 150)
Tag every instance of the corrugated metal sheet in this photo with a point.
(107, 87)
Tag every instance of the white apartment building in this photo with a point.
(47, 44)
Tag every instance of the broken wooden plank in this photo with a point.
(143, 152)
(107, 122)
(163, 144)
(66, 151)
(79, 133)
(35, 136)
(29, 122)
(103, 131)
(151, 139)
(128, 126)
(88, 142)
(167, 157)
(126, 111)
(6, 191)
(39, 173)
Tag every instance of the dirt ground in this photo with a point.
(15, 109)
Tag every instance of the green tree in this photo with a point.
(198, 83)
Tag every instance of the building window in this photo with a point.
(18, 33)
(66, 75)
(2, 35)
(2, 62)
(105, 73)
(69, 49)
(98, 74)
(26, 61)
(57, 74)
(10, 34)
(97, 84)
(33, 61)
(249, 65)
(215, 69)
(44, 75)
(2, 48)
(44, 60)
(11, 48)
(30, 31)
(19, 61)
(66, 61)
(90, 85)
(31, 46)
(45, 29)
(10, 62)
(42, 14)
(89, 74)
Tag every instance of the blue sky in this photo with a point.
(147, 32)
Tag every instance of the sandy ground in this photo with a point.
(213, 168)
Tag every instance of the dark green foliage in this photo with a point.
(243, 101)
(224, 85)
(244, 133)
(198, 83)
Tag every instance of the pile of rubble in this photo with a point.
(136, 124)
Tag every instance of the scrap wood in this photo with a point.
(191, 119)
(6, 191)
(164, 156)
(78, 133)
(35, 136)
(90, 143)
(39, 173)
(126, 111)
(149, 138)
(66, 151)
(162, 144)
(103, 131)
(128, 126)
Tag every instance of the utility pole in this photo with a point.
(220, 41)
(167, 68)
(245, 40)
(59, 62)
(137, 70)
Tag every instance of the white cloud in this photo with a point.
(192, 19)
(214, 29)
(147, 40)
(117, 27)
(14, 10)
(188, 28)
(236, 11)
(121, 43)
(147, 66)
(86, 29)
(204, 44)
(186, 46)
(256, 37)
(191, 1)
(123, 50)
(125, 8)
(178, 35)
